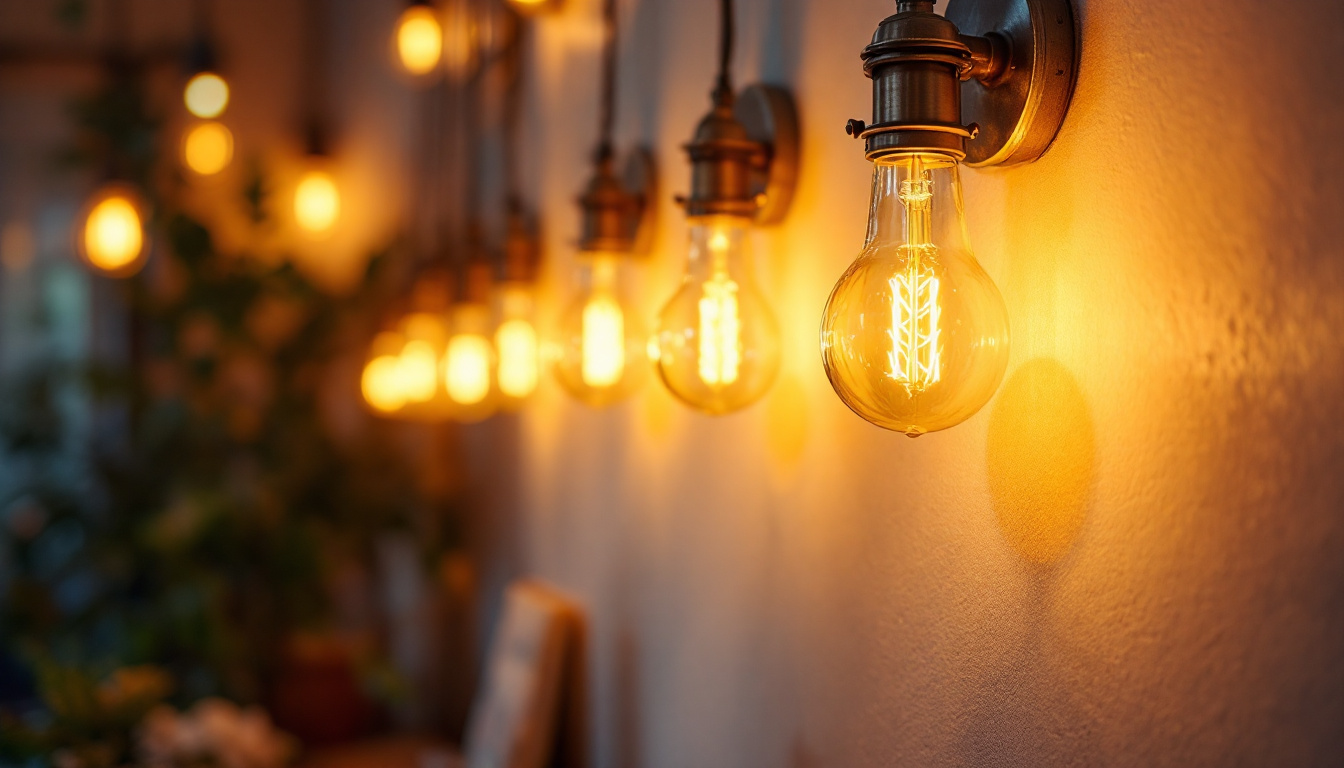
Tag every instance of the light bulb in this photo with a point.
(600, 359)
(419, 40)
(915, 335)
(206, 95)
(382, 382)
(468, 362)
(516, 344)
(317, 203)
(718, 343)
(112, 238)
(208, 148)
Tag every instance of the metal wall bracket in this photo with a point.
(770, 117)
(1019, 111)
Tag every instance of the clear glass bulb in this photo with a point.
(317, 203)
(915, 335)
(718, 342)
(468, 362)
(382, 381)
(516, 344)
(208, 148)
(602, 347)
(206, 95)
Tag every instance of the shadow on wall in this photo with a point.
(1041, 459)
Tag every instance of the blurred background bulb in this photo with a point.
(602, 345)
(382, 382)
(208, 148)
(718, 343)
(516, 344)
(317, 202)
(419, 40)
(915, 334)
(206, 95)
(468, 362)
(112, 236)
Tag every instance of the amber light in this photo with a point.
(206, 95)
(208, 148)
(112, 239)
(317, 203)
(419, 40)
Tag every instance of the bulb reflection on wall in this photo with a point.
(915, 334)
(206, 95)
(718, 343)
(208, 148)
(317, 203)
(602, 343)
(419, 39)
(112, 237)
(516, 344)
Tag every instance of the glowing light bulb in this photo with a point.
(468, 363)
(206, 95)
(602, 343)
(419, 40)
(915, 335)
(208, 148)
(718, 342)
(112, 239)
(419, 371)
(383, 381)
(516, 344)
(317, 203)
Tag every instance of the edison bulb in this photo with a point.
(419, 40)
(112, 238)
(516, 344)
(382, 381)
(468, 362)
(206, 95)
(317, 203)
(208, 148)
(600, 357)
(915, 335)
(717, 341)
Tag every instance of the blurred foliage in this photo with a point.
(198, 519)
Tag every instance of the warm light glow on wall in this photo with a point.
(112, 238)
(317, 203)
(419, 40)
(208, 148)
(206, 95)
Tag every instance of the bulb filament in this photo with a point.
(720, 323)
(603, 341)
(915, 357)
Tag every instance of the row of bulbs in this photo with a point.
(113, 238)
(914, 336)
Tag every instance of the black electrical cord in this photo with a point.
(725, 85)
(608, 114)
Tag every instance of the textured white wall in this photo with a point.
(1131, 556)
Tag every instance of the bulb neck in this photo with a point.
(719, 247)
(917, 202)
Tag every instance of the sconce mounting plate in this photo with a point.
(769, 116)
(1019, 113)
(639, 172)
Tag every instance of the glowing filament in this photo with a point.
(419, 374)
(381, 383)
(915, 311)
(317, 202)
(206, 95)
(112, 234)
(208, 148)
(915, 357)
(603, 342)
(720, 332)
(467, 368)
(516, 341)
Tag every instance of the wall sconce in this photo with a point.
(915, 334)
(516, 344)
(717, 344)
(417, 43)
(601, 354)
(113, 240)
